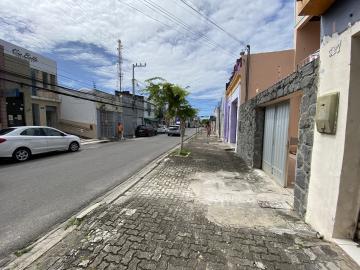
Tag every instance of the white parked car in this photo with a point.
(174, 130)
(161, 129)
(22, 142)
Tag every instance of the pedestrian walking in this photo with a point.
(120, 131)
(208, 129)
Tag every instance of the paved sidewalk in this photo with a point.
(206, 211)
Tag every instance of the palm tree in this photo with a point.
(173, 98)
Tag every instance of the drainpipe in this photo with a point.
(247, 72)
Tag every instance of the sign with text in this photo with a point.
(35, 60)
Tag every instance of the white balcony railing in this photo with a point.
(309, 59)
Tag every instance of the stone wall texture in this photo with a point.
(251, 126)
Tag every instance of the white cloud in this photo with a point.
(88, 58)
(172, 53)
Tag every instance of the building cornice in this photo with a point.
(235, 81)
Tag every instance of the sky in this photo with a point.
(176, 42)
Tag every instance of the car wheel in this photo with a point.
(21, 154)
(74, 146)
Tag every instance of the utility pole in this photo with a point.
(136, 65)
(120, 61)
(247, 72)
(247, 49)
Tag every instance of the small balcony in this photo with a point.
(313, 7)
(308, 59)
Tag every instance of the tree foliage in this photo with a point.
(186, 111)
(170, 98)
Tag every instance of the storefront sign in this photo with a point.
(35, 60)
(26, 56)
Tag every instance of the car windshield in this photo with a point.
(174, 127)
(6, 131)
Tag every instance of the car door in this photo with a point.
(35, 139)
(56, 140)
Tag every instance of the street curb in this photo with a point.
(42, 245)
(87, 211)
(95, 142)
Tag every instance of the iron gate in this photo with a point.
(107, 124)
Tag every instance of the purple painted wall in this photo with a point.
(226, 118)
(233, 121)
(230, 120)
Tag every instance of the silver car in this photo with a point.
(22, 142)
(161, 129)
(174, 130)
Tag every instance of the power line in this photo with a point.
(169, 26)
(86, 15)
(212, 22)
(140, 11)
(26, 76)
(57, 74)
(19, 75)
(165, 13)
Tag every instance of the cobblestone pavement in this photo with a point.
(162, 224)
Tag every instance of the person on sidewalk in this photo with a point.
(208, 129)
(120, 131)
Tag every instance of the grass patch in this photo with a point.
(20, 252)
(183, 153)
(72, 222)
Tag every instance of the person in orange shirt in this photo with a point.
(120, 131)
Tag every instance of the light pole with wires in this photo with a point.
(136, 65)
(247, 74)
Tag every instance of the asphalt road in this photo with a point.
(38, 194)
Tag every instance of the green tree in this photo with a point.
(170, 98)
(185, 112)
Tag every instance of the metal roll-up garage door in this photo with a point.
(275, 141)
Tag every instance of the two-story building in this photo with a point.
(28, 87)
(326, 136)
(251, 75)
(306, 35)
(333, 197)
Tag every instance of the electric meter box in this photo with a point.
(326, 113)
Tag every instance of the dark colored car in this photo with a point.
(146, 131)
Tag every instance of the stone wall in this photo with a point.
(251, 126)
(306, 137)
